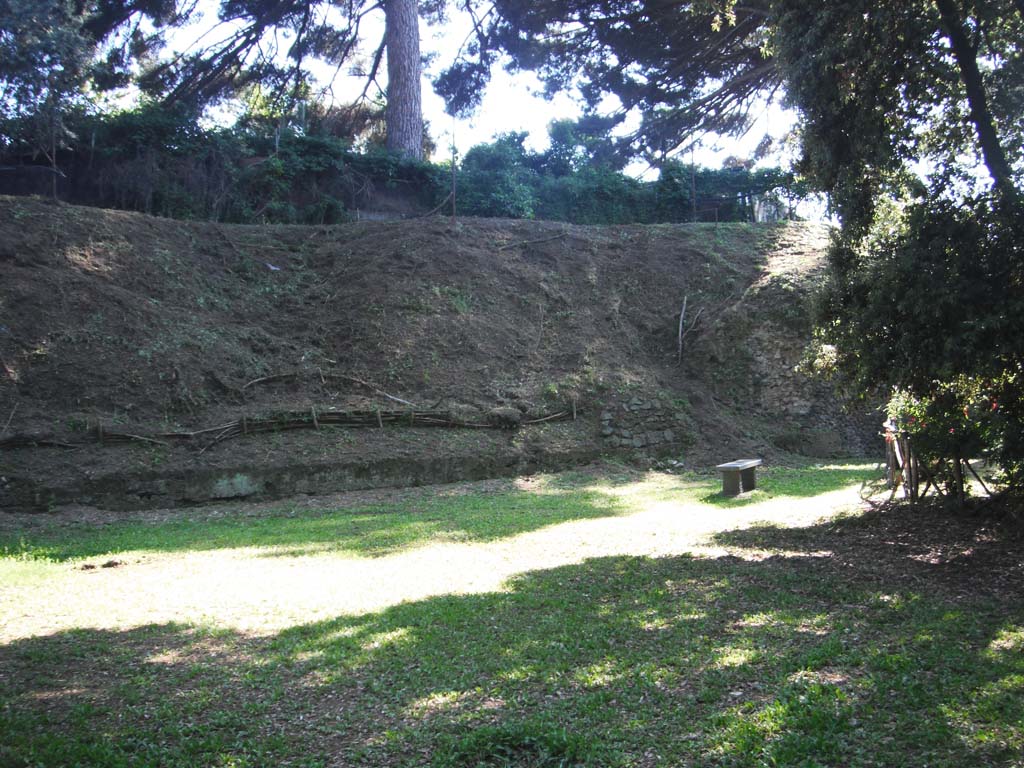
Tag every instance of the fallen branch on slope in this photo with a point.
(532, 242)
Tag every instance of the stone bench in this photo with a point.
(739, 476)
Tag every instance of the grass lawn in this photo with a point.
(599, 618)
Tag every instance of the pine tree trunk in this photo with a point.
(404, 114)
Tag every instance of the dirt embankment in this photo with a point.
(115, 324)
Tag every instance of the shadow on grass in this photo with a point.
(800, 660)
(369, 531)
(788, 482)
(900, 541)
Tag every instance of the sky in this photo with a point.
(511, 103)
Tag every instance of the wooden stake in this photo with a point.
(977, 477)
(8, 424)
(958, 478)
(682, 319)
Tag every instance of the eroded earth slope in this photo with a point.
(121, 335)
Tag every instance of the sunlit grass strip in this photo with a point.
(373, 531)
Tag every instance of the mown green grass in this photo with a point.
(839, 651)
(369, 531)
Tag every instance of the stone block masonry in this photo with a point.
(643, 424)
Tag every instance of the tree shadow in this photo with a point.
(901, 543)
(678, 660)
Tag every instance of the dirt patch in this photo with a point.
(905, 545)
(114, 322)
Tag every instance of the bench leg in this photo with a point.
(748, 478)
(730, 483)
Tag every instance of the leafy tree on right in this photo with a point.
(910, 121)
(912, 124)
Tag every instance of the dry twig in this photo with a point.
(9, 418)
(267, 379)
(531, 242)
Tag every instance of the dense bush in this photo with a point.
(264, 170)
(931, 304)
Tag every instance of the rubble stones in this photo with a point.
(649, 424)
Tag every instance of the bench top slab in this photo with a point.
(740, 464)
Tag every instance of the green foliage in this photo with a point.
(925, 295)
(516, 746)
(582, 143)
(686, 67)
(597, 196)
(162, 161)
(570, 182)
(878, 90)
(933, 293)
(57, 55)
(265, 169)
(967, 418)
(496, 180)
(931, 305)
(43, 54)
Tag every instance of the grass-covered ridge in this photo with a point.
(623, 620)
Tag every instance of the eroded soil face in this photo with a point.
(145, 326)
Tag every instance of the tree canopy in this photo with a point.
(55, 51)
(890, 81)
(909, 119)
(686, 67)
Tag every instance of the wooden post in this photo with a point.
(915, 474)
(908, 489)
(958, 479)
(682, 323)
(890, 463)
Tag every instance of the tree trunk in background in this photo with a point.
(970, 75)
(404, 114)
